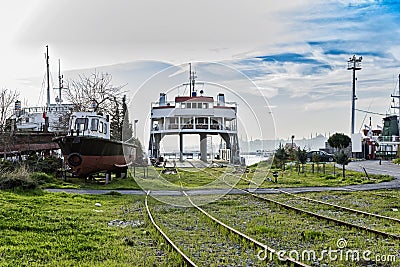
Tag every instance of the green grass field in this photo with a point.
(255, 176)
(59, 229)
(62, 229)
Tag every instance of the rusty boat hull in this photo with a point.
(87, 155)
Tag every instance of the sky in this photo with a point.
(292, 53)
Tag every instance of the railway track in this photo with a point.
(339, 206)
(170, 242)
(250, 241)
(328, 218)
(232, 175)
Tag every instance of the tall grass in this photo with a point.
(18, 178)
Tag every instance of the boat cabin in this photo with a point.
(89, 124)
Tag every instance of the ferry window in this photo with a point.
(183, 105)
(101, 127)
(95, 125)
(199, 105)
(81, 124)
(186, 121)
(201, 120)
(205, 105)
(105, 128)
(188, 105)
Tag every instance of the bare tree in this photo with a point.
(96, 88)
(7, 99)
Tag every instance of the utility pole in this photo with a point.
(353, 64)
(190, 79)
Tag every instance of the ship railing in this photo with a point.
(73, 132)
(392, 138)
(386, 155)
(165, 104)
(215, 104)
(197, 126)
(225, 104)
(55, 108)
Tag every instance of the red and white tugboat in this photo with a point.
(88, 148)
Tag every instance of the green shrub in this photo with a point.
(19, 178)
(7, 166)
(47, 165)
(42, 178)
(330, 177)
(396, 161)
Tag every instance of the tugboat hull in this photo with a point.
(87, 155)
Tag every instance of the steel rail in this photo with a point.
(172, 244)
(340, 222)
(248, 238)
(340, 207)
(243, 235)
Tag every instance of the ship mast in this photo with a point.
(48, 77)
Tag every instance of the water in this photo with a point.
(253, 159)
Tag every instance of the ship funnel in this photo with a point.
(221, 99)
(163, 99)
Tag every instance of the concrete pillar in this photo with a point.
(203, 147)
(180, 147)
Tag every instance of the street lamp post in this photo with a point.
(353, 64)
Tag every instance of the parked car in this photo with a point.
(323, 156)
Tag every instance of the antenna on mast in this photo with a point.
(60, 83)
(192, 81)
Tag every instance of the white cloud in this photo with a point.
(88, 34)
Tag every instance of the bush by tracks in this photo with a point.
(18, 178)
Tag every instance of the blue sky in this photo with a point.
(296, 52)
